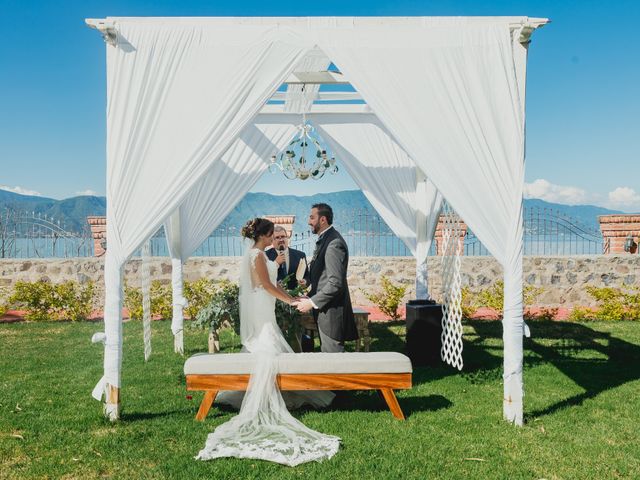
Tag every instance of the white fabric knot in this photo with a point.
(99, 337)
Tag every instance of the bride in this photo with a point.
(264, 429)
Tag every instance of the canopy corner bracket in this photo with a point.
(106, 29)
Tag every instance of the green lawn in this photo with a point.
(582, 411)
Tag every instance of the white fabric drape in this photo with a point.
(178, 95)
(407, 202)
(426, 223)
(217, 193)
(452, 100)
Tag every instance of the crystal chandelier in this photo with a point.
(304, 157)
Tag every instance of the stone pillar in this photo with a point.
(440, 240)
(285, 221)
(99, 233)
(615, 229)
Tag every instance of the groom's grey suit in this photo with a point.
(330, 292)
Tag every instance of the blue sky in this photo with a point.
(583, 92)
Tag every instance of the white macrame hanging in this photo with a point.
(451, 351)
(146, 298)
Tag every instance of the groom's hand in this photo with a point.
(304, 305)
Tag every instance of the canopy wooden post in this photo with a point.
(112, 406)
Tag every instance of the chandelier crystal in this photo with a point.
(304, 157)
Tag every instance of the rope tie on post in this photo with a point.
(146, 299)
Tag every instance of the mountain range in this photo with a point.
(72, 212)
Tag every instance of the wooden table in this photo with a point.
(310, 327)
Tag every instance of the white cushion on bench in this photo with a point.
(297, 363)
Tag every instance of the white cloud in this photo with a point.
(624, 198)
(20, 190)
(549, 192)
(88, 192)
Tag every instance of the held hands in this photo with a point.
(304, 304)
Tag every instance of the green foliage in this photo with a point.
(74, 300)
(613, 304)
(467, 303)
(161, 300)
(579, 314)
(493, 297)
(223, 309)
(5, 294)
(133, 301)
(160, 295)
(198, 294)
(288, 317)
(388, 300)
(47, 301)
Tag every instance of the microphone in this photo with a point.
(281, 248)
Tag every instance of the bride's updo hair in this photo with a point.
(256, 228)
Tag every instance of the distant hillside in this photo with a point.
(72, 212)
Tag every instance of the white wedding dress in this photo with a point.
(264, 429)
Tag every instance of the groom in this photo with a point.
(329, 295)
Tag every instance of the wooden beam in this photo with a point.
(322, 108)
(316, 78)
(323, 96)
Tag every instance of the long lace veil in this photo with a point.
(264, 429)
(248, 327)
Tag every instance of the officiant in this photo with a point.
(291, 261)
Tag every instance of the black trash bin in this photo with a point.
(424, 330)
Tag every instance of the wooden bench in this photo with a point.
(382, 371)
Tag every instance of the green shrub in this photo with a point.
(613, 304)
(161, 300)
(133, 301)
(223, 309)
(579, 314)
(467, 303)
(388, 300)
(161, 297)
(5, 294)
(75, 300)
(47, 301)
(198, 294)
(493, 297)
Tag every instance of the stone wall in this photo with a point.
(562, 278)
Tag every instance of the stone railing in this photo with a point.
(563, 278)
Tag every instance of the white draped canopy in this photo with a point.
(188, 134)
